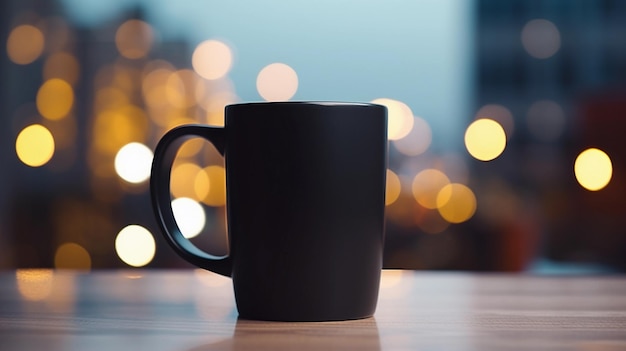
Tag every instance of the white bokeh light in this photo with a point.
(277, 82)
(133, 162)
(189, 215)
(212, 59)
(135, 245)
(399, 118)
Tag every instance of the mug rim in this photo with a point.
(305, 103)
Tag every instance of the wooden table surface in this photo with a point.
(195, 310)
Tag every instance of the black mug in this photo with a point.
(305, 207)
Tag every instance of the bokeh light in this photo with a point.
(134, 38)
(116, 127)
(34, 145)
(212, 59)
(182, 180)
(277, 82)
(216, 195)
(499, 114)
(593, 169)
(110, 98)
(190, 216)
(133, 162)
(417, 141)
(485, 139)
(72, 256)
(393, 187)
(154, 91)
(135, 245)
(34, 284)
(201, 185)
(541, 38)
(546, 120)
(456, 203)
(61, 65)
(399, 118)
(180, 88)
(55, 99)
(426, 186)
(25, 44)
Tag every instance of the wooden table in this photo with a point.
(195, 310)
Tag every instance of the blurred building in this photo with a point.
(555, 73)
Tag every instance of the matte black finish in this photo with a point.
(305, 203)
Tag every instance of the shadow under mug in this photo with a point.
(305, 207)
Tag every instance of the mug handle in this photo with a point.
(164, 156)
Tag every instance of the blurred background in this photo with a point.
(506, 123)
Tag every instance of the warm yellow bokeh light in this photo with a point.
(593, 169)
(61, 65)
(189, 215)
(417, 141)
(34, 145)
(25, 44)
(116, 127)
(154, 90)
(34, 284)
(393, 188)
(190, 147)
(426, 186)
(182, 181)
(485, 139)
(399, 118)
(55, 99)
(133, 162)
(202, 185)
(133, 39)
(216, 195)
(212, 59)
(135, 245)
(72, 256)
(110, 98)
(277, 82)
(180, 88)
(456, 203)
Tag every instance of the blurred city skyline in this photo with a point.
(504, 154)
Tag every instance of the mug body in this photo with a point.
(305, 204)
